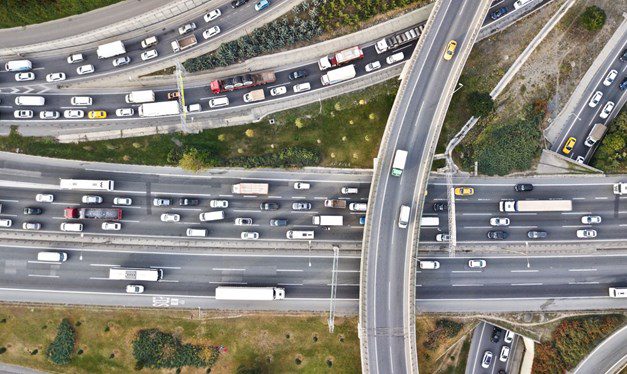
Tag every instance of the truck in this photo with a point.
(152, 275)
(335, 203)
(328, 220)
(596, 134)
(111, 49)
(340, 58)
(93, 213)
(250, 188)
(620, 188)
(338, 75)
(138, 97)
(242, 81)
(184, 43)
(256, 95)
(160, 108)
(398, 165)
(536, 205)
(250, 293)
(398, 39)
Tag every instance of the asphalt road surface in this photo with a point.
(482, 342)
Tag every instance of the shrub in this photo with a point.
(61, 348)
(481, 103)
(192, 160)
(611, 156)
(593, 18)
(156, 349)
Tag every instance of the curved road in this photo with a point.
(609, 357)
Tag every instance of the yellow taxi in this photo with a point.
(570, 144)
(97, 114)
(450, 50)
(464, 191)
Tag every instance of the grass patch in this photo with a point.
(436, 336)
(14, 13)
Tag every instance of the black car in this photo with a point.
(498, 13)
(238, 3)
(33, 211)
(497, 235)
(440, 207)
(184, 201)
(496, 335)
(278, 222)
(623, 57)
(297, 74)
(523, 187)
(534, 234)
(623, 85)
(268, 205)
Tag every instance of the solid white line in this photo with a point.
(43, 276)
(44, 262)
(526, 284)
(582, 269)
(9, 201)
(227, 269)
(524, 271)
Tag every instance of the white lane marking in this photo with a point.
(44, 262)
(476, 214)
(466, 271)
(225, 195)
(9, 201)
(477, 227)
(188, 209)
(576, 213)
(298, 197)
(126, 206)
(524, 271)
(128, 221)
(290, 270)
(61, 203)
(347, 271)
(168, 281)
(43, 276)
(289, 284)
(601, 198)
(227, 282)
(106, 265)
(228, 269)
(526, 284)
(574, 283)
(165, 267)
(99, 278)
(582, 269)
(273, 197)
(467, 285)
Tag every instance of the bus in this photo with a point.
(429, 221)
(152, 275)
(86, 184)
(536, 205)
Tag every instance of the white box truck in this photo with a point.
(398, 165)
(250, 188)
(160, 108)
(620, 188)
(111, 49)
(151, 275)
(338, 75)
(328, 220)
(250, 293)
(138, 97)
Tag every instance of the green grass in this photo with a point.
(14, 13)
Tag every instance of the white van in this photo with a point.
(30, 100)
(196, 232)
(52, 256)
(218, 102)
(618, 292)
(68, 226)
(296, 234)
(149, 42)
(211, 216)
(6, 222)
(430, 265)
(521, 3)
(403, 216)
(358, 207)
(18, 65)
(81, 100)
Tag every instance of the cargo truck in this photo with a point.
(398, 39)
(160, 108)
(340, 58)
(596, 134)
(152, 275)
(328, 220)
(93, 213)
(242, 81)
(536, 205)
(138, 97)
(184, 43)
(335, 203)
(620, 188)
(256, 95)
(250, 293)
(250, 188)
(338, 75)
(398, 165)
(111, 49)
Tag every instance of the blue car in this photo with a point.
(362, 220)
(498, 13)
(263, 4)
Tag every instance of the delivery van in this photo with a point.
(30, 100)
(68, 226)
(211, 216)
(196, 232)
(18, 65)
(219, 102)
(52, 256)
(297, 234)
(403, 216)
(618, 292)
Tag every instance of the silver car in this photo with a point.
(49, 114)
(91, 199)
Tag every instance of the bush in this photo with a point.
(593, 18)
(61, 348)
(481, 103)
(156, 349)
(611, 156)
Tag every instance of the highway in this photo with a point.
(482, 342)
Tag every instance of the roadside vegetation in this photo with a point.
(443, 344)
(14, 13)
(611, 156)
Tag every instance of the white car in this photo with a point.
(596, 98)
(243, 221)
(302, 87)
(373, 66)
(219, 203)
(73, 113)
(278, 91)
(586, 233)
(124, 112)
(580, 159)
(357, 207)
(55, 77)
(504, 354)
(395, 58)
(6, 222)
(476, 264)
(149, 55)
(85, 69)
(91, 199)
(44, 198)
(212, 15)
(349, 190)
(23, 114)
(193, 108)
(134, 288)
(429, 265)
(499, 221)
(187, 28)
(28, 76)
(607, 109)
(589, 220)
(111, 226)
(610, 77)
(250, 235)
(509, 336)
(210, 32)
(31, 226)
(170, 217)
(77, 57)
(49, 114)
(122, 201)
(302, 186)
(443, 237)
(121, 61)
(487, 359)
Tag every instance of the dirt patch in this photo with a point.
(440, 344)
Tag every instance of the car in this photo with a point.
(362, 220)
(623, 56)
(122, 201)
(261, 5)
(589, 220)
(464, 191)
(23, 113)
(73, 113)
(111, 226)
(33, 211)
(570, 144)
(97, 114)
(504, 354)
(149, 55)
(278, 91)
(170, 217)
(357, 207)
(193, 108)
(496, 334)
(85, 69)
(301, 205)
(395, 58)
(497, 235)
(440, 207)
(121, 61)
(611, 76)
(174, 95)
(161, 201)
(91, 199)
(297, 74)
(243, 221)
(31, 226)
(44, 198)
(278, 222)
(623, 85)
(189, 27)
(476, 264)
(607, 109)
(509, 336)
(269, 205)
(210, 32)
(499, 221)
(219, 203)
(124, 112)
(349, 190)
(498, 13)
(27, 76)
(302, 186)
(586, 233)
(249, 235)
(134, 288)
(450, 50)
(6, 222)
(537, 234)
(429, 265)
(77, 57)
(185, 201)
(373, 66)
(523, 187)
(238, 3)
(487, 359)
(49, 114)
(580, 159)
(443, 237)
(55, 77)
(302, 87)
(595, 99)
(212, 15)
